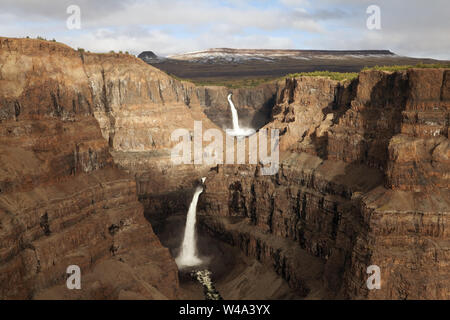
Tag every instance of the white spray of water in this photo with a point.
(234, 114)
(188, 256)
(237, 131)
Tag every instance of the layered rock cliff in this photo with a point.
(363, 177)
(363, 181)
(138, 108)
(63, 201)
(84, 136)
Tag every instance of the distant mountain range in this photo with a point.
(243, 55)
(228, 63)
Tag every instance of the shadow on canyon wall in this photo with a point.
(262, 116)
(343, 97)
(380, 120)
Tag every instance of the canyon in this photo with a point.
(86, 178)
(363, 181)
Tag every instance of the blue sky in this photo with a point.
(412, 28)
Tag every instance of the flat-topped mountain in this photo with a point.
(243, 55)
(227, 64)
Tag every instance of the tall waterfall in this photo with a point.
(234, 114)
(188, 255)
(237, 131)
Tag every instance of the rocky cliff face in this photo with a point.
(63, 201)
(83, 120)
(138, 108)
(363, 178)
(363, 181)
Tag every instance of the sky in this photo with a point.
(414, 28)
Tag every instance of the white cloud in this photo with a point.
(415, 28)
(295, 3)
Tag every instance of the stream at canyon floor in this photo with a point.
(234, 275)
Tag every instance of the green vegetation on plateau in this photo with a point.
(406, 67)
(339, 76)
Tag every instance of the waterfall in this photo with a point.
(234, 114)
(188, 255)
(237, 131)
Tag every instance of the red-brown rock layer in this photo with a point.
(62, 199)
(363, 181)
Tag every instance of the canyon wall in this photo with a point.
(86, 141)
(84, 137)
(363, 181)
(138, 107)
(63, 201)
